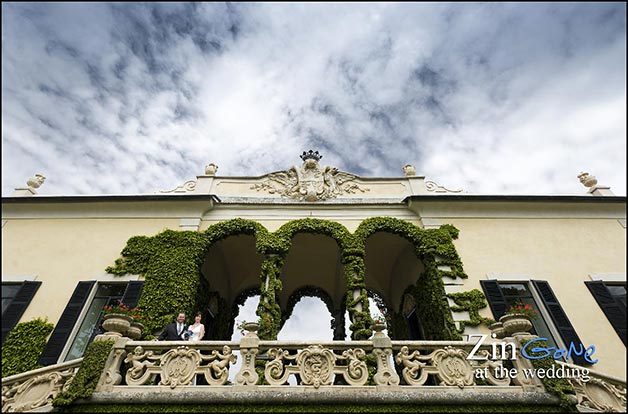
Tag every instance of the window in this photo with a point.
(515, 292)
(106, 294)
(551, 323)
(9, 290)
(611, 297)
(81, 320)
(15, 299)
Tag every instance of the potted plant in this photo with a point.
(137, 324)
(117, 319)
(248, 328)
(517, 320)
(379, 323)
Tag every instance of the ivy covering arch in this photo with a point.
(171, 264)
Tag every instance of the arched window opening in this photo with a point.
(310, 320)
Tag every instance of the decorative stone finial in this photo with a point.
(36, 181)
(210, 169)
(33, 183)
(409, 170)
(587, 180)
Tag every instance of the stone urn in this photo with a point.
(135, 330)
(409, 170)
(251, 328)
(378, 328)
(211, 169)
(516, 324)
(497, 330)
(116, 324)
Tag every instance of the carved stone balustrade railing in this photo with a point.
(37, 388)
(600, 393)
(395, 364)
(378, 370)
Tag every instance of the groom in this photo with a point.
(174, 330)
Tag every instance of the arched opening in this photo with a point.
(313, 268)
(391, 265)
(310, 320)
(232, 266)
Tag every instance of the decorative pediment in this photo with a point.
(310, 181)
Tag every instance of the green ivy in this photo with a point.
(88, 374)
(561, 387)
(23, 346)
(471, 301)
(171, 263)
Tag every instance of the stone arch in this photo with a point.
(231, 264)
(423, 282)
(349, 260)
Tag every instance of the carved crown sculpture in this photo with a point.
(314, 155)
(587, 180)
(310, 182)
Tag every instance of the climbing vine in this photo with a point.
(471, 301)
(84, 382)
(24, 345)
(561, 387)
(171, 261)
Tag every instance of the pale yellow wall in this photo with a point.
(62, 252)
(561, 251)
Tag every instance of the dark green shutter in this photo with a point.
(560, 319)
(61, 333)
(132, 293)
(495, 297)
(615, 313)
(13, 313)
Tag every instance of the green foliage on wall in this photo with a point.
(560, 387)
(471, 301)
(88, 374)
(24, 345)
(171, 263)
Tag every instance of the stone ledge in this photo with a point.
(323, 395)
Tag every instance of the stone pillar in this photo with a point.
(382, 349)
(249, 348)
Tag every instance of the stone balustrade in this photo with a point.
(37, 388)
(378, 370)
(312, 364)
(600, 393)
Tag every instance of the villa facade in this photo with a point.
(441, 263)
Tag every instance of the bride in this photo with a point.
(197, 328)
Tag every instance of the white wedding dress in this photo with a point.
(196, 332)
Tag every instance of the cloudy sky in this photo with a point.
(505, 98)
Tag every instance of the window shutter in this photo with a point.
(615, 313)
(61, 333)
(560, 319)
(132, 293)
(18, 306)
(495, 298)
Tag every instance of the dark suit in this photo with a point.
(170, 333)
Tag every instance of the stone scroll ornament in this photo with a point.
(316, 366)
(310, 182)
(449, 365)
(36, 391)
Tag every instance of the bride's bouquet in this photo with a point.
(186, 335)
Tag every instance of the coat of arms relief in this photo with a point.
(310, 182)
